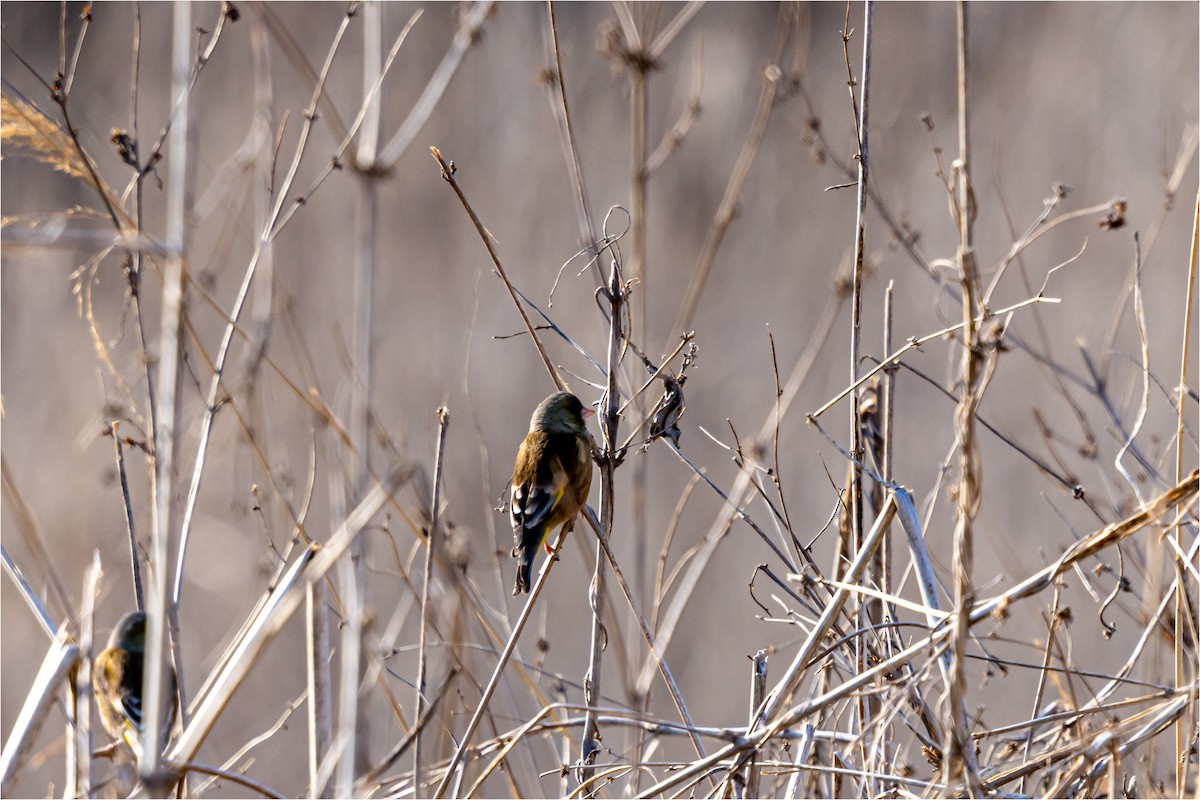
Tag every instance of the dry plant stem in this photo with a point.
(1183, 493)
(1180, 582)
(506, 744)
(70, 72)
(1139, 313)
(503, 744)
(1014, 252)
(320, 695)
(505, 655)
(80, 727)
(633, 719)
(355, 731)
(344, 748)
(888, 401)
(639, 103)
(861, 119)
(1053, 376)
(142, 169)
(684, 340)
(958, 751)
(133, 554)
(166, 433)
(609, 422)
(609, 416)
(673, 138)
(56, 665)
(135, 271)
(448, 176)
(758, 688)
(443, 416)
(368, 139)
(738, 511)
(155, 154)
(28, 594)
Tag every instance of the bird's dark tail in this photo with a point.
(524, 553)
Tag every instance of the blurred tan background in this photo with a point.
(1101, 97)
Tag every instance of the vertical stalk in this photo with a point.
(958, 749)
(637, 210)
(638, 533)
(887, 398)
(443, 415)
(1181, 592)
(351, 657)
(856, 502)
(640, 102)
(758, 690)
(609, 422)
(320, 710)
(354, 726)
(135, 264)
(79, 732)
(165, 433)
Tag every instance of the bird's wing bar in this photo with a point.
(531, 510)
(533, 505)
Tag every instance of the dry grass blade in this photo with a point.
(28, 131)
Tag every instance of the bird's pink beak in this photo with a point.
(588, 413)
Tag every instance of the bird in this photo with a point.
(551, 478)
(117, 683)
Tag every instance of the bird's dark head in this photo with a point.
(130, 633)
(560, 412)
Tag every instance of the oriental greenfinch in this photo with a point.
(117, 683)
(551, 478)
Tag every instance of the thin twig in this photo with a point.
(133, 549)
(443, 416)
(448, 174)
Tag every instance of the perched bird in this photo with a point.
(117, 683)
(551, 478)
